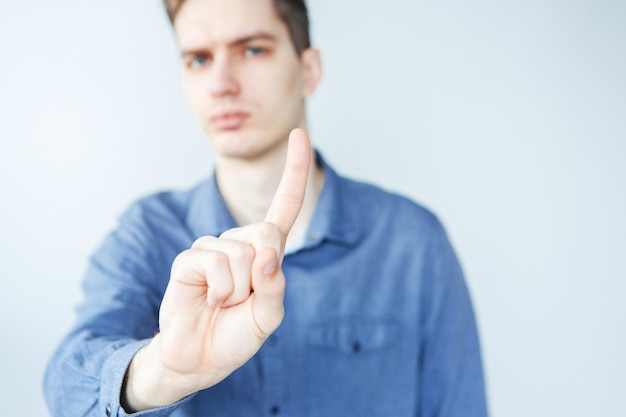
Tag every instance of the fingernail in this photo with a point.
(271, 267)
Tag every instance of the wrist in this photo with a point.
(149, 384)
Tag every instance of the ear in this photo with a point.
(312, 70)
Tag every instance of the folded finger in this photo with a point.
(202, 273)
(240, 256)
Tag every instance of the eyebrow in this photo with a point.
(234, 43)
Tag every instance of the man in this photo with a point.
(277, 287)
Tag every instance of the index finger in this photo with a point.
(289, 196)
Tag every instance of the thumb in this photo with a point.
(268, 283)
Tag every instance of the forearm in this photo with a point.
(85, 374)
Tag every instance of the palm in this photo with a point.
(198, 337)
(225, 295)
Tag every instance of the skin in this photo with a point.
(247, 87)
(239, 60)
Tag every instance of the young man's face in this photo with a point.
(242, 76)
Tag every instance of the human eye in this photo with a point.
(252, 51)
(197, 61)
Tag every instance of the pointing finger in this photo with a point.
(289, 196)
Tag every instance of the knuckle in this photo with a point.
(181, 259)
(198, 260)
(291, 199)
(230, 233)
(215, 259)
(242, 253)
(269, 232)
(202, 241)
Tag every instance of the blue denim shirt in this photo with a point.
(378, 320)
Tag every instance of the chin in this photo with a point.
(242, 144)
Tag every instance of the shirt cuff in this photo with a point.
(113, 373)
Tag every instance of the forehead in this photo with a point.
(202, 23)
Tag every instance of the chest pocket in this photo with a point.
(353, 336)
(353, 367)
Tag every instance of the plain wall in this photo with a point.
(505, 118)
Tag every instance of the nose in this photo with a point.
(223, 79)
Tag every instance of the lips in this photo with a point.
(229, 120)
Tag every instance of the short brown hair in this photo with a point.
(293, 12)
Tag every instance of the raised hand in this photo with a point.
(224, 298)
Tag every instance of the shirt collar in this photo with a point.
(208, 214)
(335, 218)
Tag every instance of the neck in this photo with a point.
(248, 186)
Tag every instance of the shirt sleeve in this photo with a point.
(451, 365)
(123, 288)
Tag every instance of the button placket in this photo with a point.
(273, 362)
(275, 410)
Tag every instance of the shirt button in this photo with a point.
(108, 410)
(275, 410)
(272, 340)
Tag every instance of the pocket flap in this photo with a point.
(353, 335)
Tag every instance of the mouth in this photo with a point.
(229, 120)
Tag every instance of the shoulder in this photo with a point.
(377, 207)
(159, 218)
(164, 206)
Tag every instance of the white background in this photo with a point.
(507, 118)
